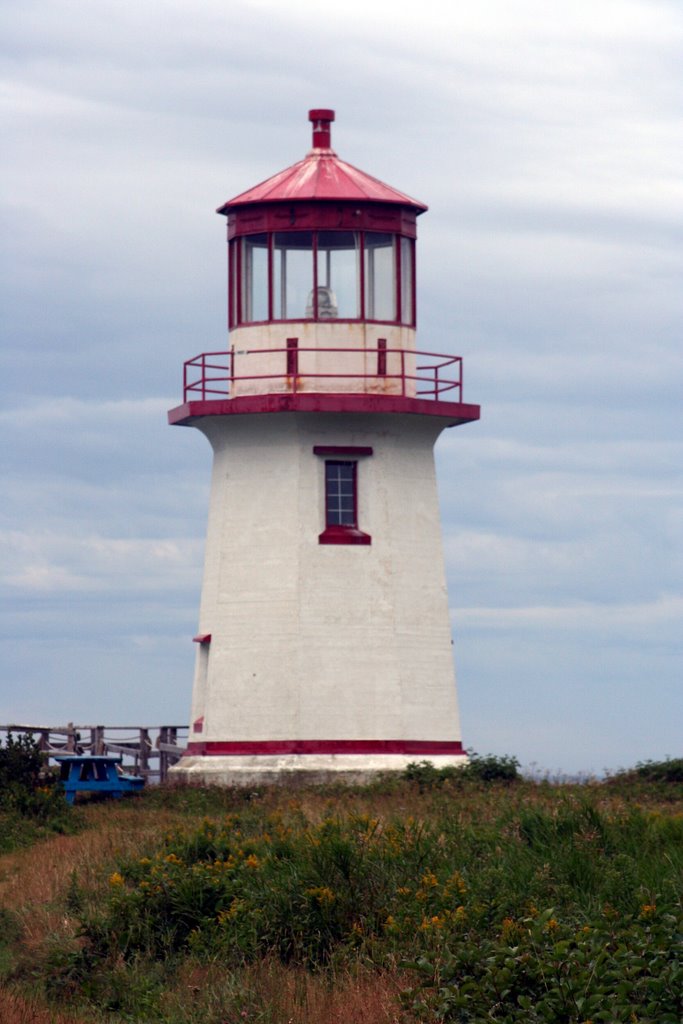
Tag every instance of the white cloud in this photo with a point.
(46, 562)
(586, 618)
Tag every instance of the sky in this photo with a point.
(546, 139)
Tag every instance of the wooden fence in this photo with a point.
(148, 750)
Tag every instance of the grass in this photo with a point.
(432, 898)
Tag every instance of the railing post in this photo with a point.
(293, 362)
(403, 372)
(381, 357)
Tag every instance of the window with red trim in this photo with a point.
(322, 275)
(341, 504)
(340, 494)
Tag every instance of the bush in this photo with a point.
(669, 770)
(20, 764)
(542, 970)
(491, 768)
(31, 805)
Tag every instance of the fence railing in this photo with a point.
(148, 750)
(295, 369)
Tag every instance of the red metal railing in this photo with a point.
(214, 375)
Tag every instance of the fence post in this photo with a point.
(97, 740)
(71, 738)
(144, 750)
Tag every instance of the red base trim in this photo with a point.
(454, 412)
(264, 747)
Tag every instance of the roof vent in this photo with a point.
(321, 120)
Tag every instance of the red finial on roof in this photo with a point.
(322, 136)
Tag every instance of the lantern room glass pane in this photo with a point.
(380, 276)
(292, 275)
(338, 275)
(407, 297)
(255, 278)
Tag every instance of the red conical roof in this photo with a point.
(321, 175)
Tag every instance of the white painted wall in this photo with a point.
(253, 357)
(314, 641)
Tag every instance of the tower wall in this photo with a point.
(316, 642)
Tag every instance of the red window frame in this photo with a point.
(341, 501)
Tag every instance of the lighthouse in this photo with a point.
(324, 645)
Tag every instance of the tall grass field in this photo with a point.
(469, 896)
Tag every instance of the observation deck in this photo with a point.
(338, 378)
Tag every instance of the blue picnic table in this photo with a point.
(95, 773)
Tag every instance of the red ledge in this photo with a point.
(344, 535)
(265, 747)
(454, 412)
(341, 449)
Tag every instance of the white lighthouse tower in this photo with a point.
(324, 645)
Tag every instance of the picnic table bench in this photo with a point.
(95, 773)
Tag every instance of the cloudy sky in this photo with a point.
(546, 139)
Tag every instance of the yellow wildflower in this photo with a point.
(322, 895)
(648, 910)
(116, 879)
(252, 862)
(456, 881)
(429, 880)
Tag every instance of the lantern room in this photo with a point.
(321, 290)
(322, 241)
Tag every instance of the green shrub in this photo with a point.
(20, 764)
(31, 804)
(489, 768)
(492, 768)
(542, 970)
(669, 770)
